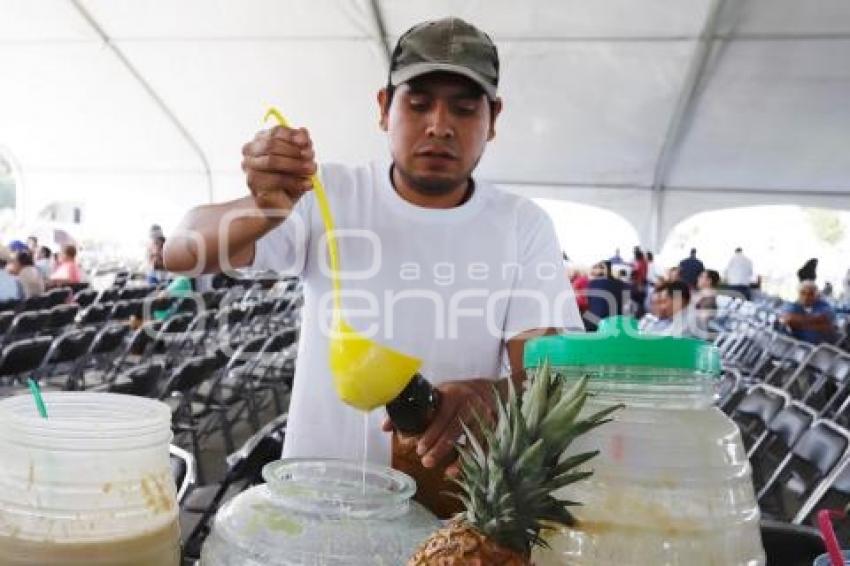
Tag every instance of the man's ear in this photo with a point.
(383, 108)
(495, 110)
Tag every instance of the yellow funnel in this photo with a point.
(366, 374)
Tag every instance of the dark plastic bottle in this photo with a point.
(414, 408)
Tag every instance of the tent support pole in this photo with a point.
(679, 120)
(381, 28)
(148, 88)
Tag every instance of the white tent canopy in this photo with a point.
(655, 109)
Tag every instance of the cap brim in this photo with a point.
(418, 69)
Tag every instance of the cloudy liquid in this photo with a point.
(160, 547)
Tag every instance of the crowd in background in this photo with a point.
(682, 300)
(28, 269)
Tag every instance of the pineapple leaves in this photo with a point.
(511, 469)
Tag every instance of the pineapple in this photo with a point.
(508, 476)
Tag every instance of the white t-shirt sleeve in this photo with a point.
(284, 250)
(542, 296)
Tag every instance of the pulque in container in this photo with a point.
(672, 484)
(90, 485)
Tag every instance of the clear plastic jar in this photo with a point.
(671, 484)
(90, 485)
(328, 512)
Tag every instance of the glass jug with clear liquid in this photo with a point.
(671, 485)
(319, 512)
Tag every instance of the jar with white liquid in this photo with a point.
(90, 485)
(671, 485)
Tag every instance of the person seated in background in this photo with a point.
(673, 274)
(706, 296)
(21, 266)
(10, 287)
(670, 310)
(32, 245)
(605, 295)
(157, 273)
(704, 303)
(579, 280)
(653, 311)
(810, 318)
(67, 271)
(44, 261)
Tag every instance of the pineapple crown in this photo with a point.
(511, 469)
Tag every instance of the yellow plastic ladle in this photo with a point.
(366, 374)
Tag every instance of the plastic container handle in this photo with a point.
(836, 557)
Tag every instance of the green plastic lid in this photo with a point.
(618, 342)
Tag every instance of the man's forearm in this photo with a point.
(818, 323)
(215, 237)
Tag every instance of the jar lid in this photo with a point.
(618, 342)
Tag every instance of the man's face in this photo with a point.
(656, 306)
(807, 296)
(665, 305)
(703, 282)
(438, 126)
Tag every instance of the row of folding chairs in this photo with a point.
(818, 376)
(88, 297)
(43, 301)
(800, 461)
(90, 355)
(210, 393)
(25, 324)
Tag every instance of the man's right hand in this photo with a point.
(277, 165)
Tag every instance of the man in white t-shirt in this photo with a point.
(437, 264)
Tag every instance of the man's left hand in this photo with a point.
(460, 401)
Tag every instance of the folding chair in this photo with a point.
(183, 470)
(59, 367)
(784, 368)
(790, 545)
(244, 469)
(142, 380)
(756, 409)
(814, 456)
(35, 303)
(775, 443)
(837, 389)
(229, 391)
(58, 296)
(60, 317)
(177, 393)
(809, 379)
(26, 324)
(22, 357)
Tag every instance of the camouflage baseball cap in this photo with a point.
(450, 45)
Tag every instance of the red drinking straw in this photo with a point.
(836, 557)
